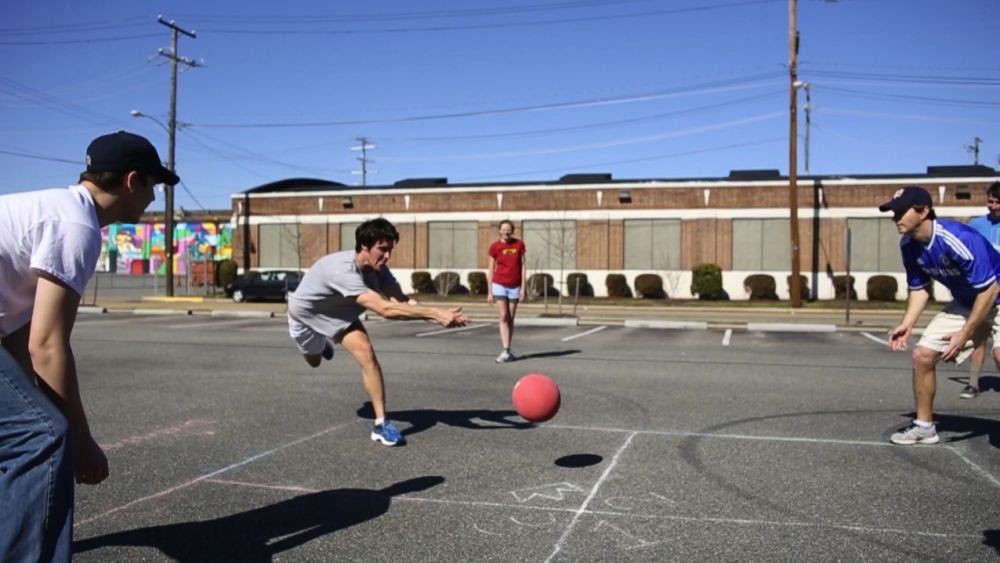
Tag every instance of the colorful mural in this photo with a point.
(132, 249)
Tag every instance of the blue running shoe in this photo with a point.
(387, 434)
(328, 351)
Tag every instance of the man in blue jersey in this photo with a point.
(958, 257)
(989, 226)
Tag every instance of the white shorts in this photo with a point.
(938, 333)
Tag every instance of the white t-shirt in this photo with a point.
(54, 231)
(327, 297)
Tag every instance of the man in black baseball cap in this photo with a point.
(125, 152)
(50, 244)
(905, 198)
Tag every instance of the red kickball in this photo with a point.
(536, 397)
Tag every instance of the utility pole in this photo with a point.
(168, 214)
(974, 149)
(363, 147)
(795, 285)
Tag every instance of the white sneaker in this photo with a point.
(915, 435)
(505, 357)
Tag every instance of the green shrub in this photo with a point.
(706, 282)
(449, 283)
(225, 273)
(586, 290)
(541, 284)
(803, 285)
(841, 284)
(422, 282)
(761, 287)
(882, 288)
(617, 286)
(477, 283)
(649, 286)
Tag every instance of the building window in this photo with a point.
(762, 245)
(653, 244)
(280, 246)
(874, 246)
(452, 245)
(347, 241)
(550, 245)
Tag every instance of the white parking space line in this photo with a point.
(870, 336)
(727, 337)
(585, 333)
(449, 330)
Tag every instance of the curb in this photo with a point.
(683, 325)
(790, 327)
(161, 311)
(243, 314)
(92, 310)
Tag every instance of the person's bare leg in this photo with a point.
(355, 340)
(505, 323)
(512, 312)
(977, 359)
(924, 381)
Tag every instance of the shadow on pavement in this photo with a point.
(473, 419)
(259, 534)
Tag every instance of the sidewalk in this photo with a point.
(783, 319)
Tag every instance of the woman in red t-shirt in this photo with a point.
(505, 277)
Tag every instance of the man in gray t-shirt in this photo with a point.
(331, 297)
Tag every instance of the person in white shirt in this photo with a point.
(50, 241)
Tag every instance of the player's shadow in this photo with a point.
(473, 419)
(259, 534)
(960, 428)
(986, 382)
(992, 539)
(552, 354)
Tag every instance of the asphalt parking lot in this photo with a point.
(669, 445)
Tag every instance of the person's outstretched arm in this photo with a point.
(376, 303)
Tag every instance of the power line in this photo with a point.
(40, 157)
(494, 25)
(745, 82)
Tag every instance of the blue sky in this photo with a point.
(514, 90)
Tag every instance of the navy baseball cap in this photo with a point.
(125, 152)
(905, 198)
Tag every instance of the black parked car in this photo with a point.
(273, 284)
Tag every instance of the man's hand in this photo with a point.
(451, 317)
(955, 344)
(91, 463)
(898, 337)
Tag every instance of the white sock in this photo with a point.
(379, 421)
(924, 425)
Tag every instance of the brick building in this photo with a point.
(594, 224)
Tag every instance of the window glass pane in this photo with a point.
(889, 259)
(777, 252)
(638, 244)
(269, 246)
(747, 244)
(452, 245)
(291, 244)
(666, 244)
(864, 244)
(550, 245)
(347, 235)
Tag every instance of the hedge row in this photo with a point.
(706, 283)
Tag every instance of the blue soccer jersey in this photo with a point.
(957, 256)
(988, 229)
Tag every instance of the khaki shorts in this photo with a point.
(938, 333)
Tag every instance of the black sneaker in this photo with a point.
(969, 392)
